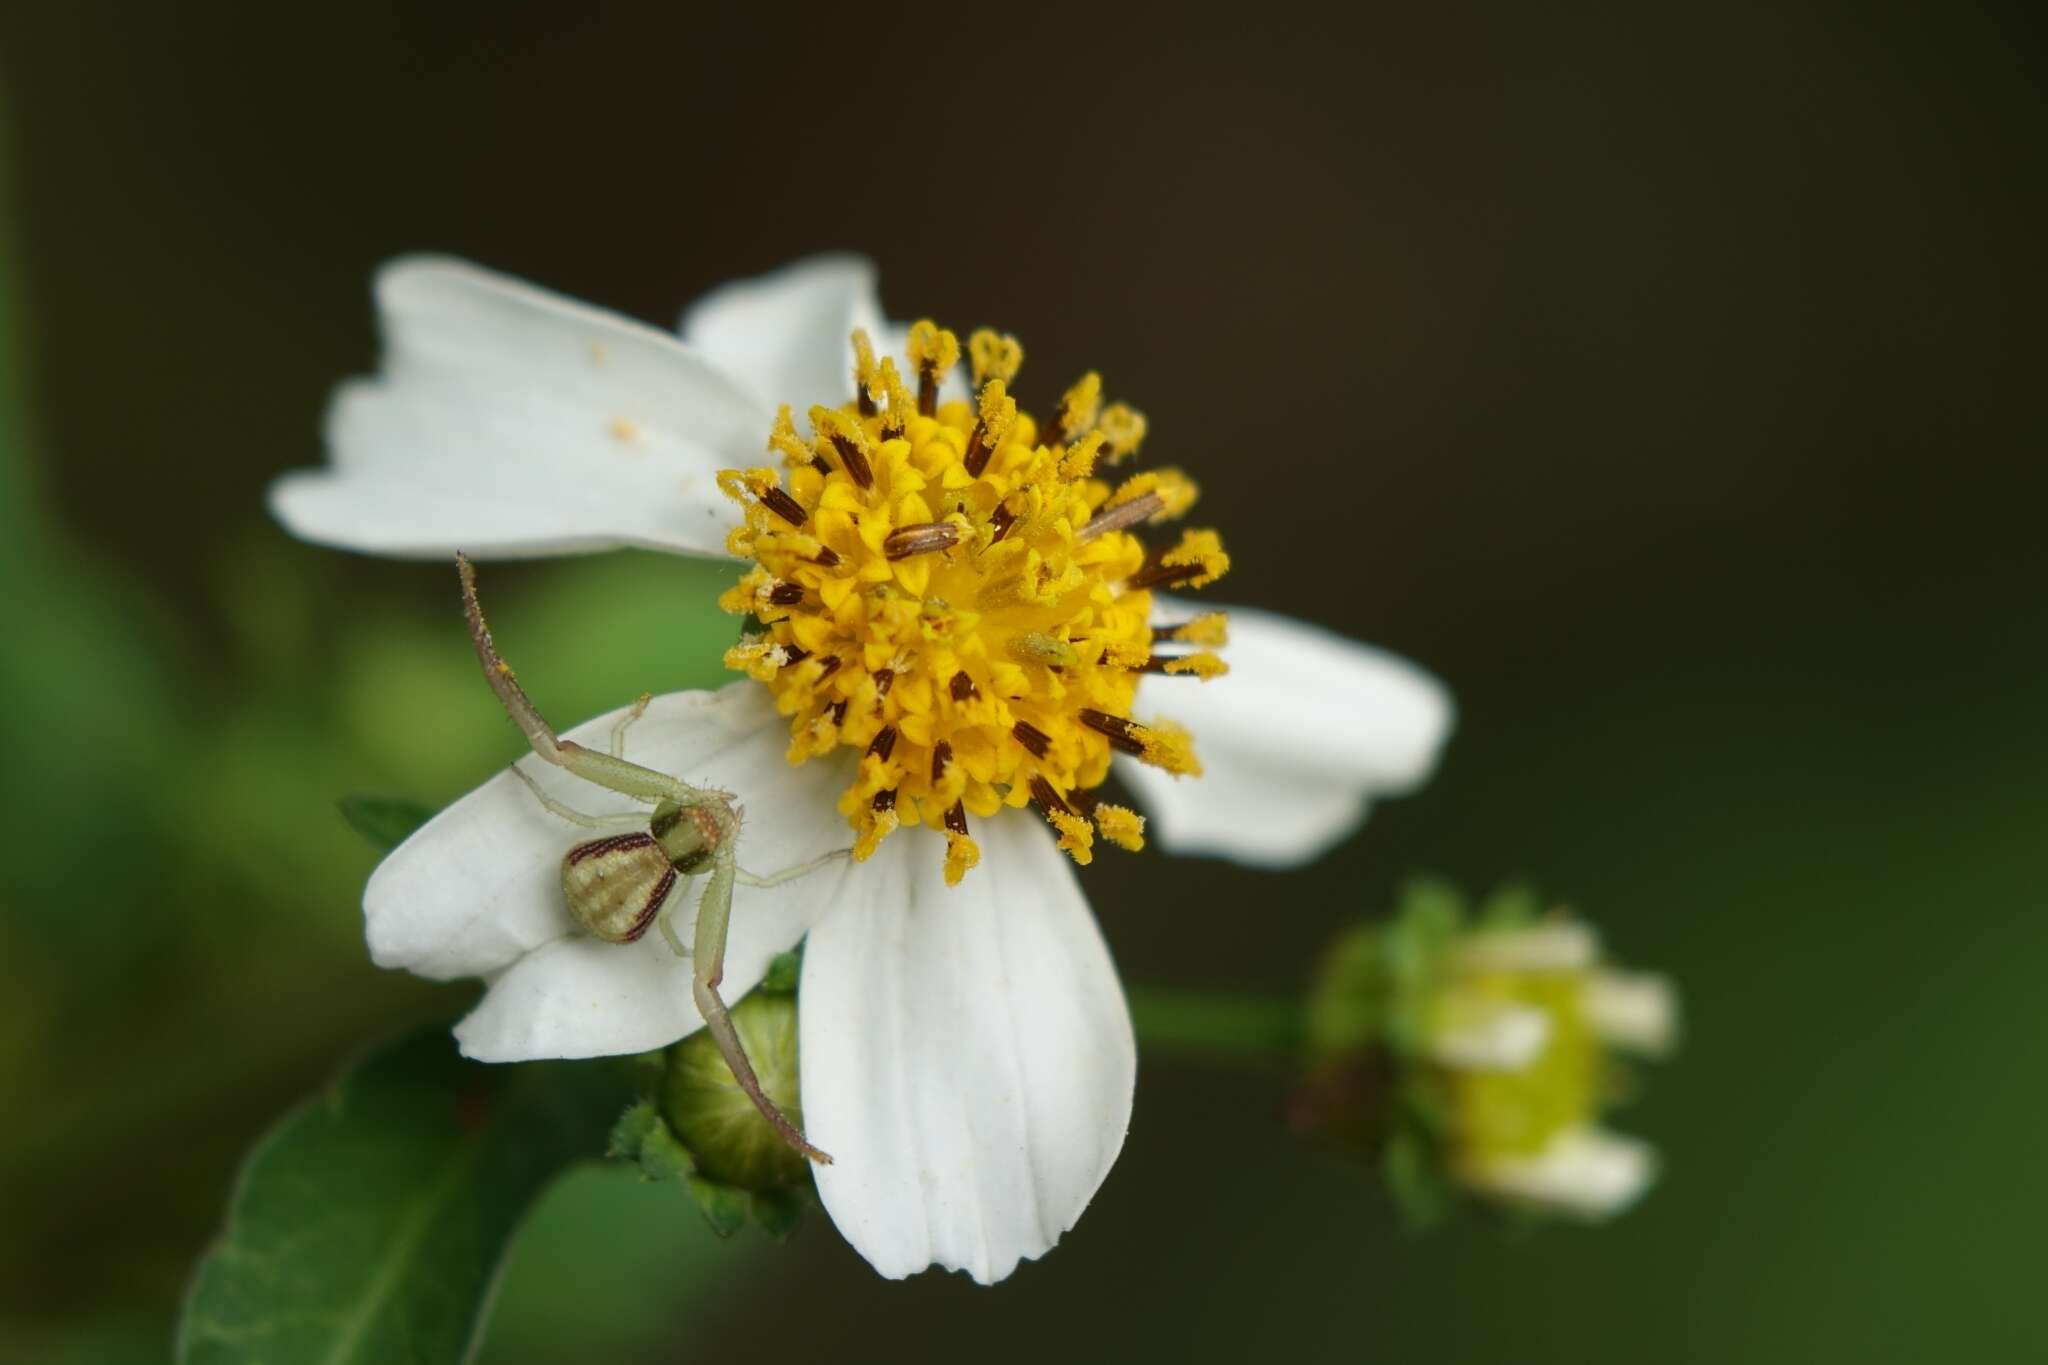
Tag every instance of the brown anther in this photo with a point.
(827, 557)
(883, 744)
(942, 758)
(1002, 519)
(792, 655)
(962, 687)
(1122, 516)
(784, 506)
(829, 667)
(1032, 738)
(1048, 800)
(1158, 574)
(820, 463)
(885, 678)
(1122, 734)
(838, 711)
(885, 801)
(1083, 801)
(855, 462)
(786, 594)
(956, 818)
(921, 538)
(975, 459)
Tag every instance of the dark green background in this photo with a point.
(1669, 383)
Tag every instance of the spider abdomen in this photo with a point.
(615, 886)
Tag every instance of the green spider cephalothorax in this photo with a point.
(621, 884)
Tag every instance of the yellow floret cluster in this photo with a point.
(957, 591)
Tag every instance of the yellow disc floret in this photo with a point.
(949, 591)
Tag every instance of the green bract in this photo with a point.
(700, 1127)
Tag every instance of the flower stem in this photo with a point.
(1235, 1027)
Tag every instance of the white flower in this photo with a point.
(966, 1051)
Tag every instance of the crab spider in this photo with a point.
(619, 885)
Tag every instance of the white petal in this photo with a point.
(477, 891)
(967, 1055)
(787, 336)
(1553, 945)
(1489, 1035)
(510, 421)
(1633, 1010)
(1587, 1172)
(1294, 741)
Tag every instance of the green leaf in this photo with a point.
(370, 1225)
(386, 821)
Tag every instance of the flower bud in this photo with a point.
(711, 1116)
(1475, 1053)
(697, 1126)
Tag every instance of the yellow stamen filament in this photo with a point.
(866, 377)
(934, 352)
(1203, 664)
(1078, 410)
(899, 405)
(1122, 826)
(1210, 628)
(963, 855)
(994, 357)
(1123, 431)
(782, 436)
(1197, 561)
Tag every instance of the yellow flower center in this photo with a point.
(1503, 1113)
(953, 590)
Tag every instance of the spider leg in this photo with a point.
(606, 770)
(570, 813)
(665, 920)
(620, 725)
(788, 874)
(714, 913)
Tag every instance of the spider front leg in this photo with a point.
(604, 769)
(714, 914)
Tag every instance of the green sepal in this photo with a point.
(1513, 906)
(1348, 1005)
(644, 1138)
(724, 1207)
(386, 821)
(779, 1212)
(1415, 1177)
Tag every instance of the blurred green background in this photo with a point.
(1667, 383)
